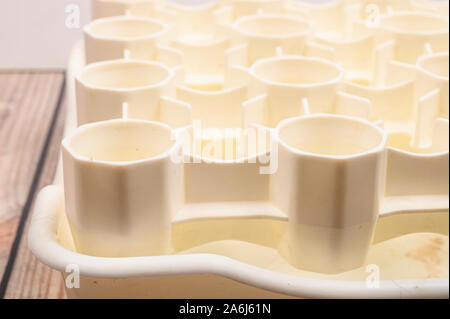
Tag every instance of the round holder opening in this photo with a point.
(120, 141)
(414, 23)
(125, 28)
(126, 75)
(272, 26)
(296, 71)
(330, 135)
(435, 65)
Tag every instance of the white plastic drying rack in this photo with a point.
(209, 275)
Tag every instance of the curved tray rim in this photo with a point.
(44, 244)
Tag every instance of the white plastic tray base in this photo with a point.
(236, 263)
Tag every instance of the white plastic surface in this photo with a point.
(343, 168)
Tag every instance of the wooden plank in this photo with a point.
(30, 278)
(27, 104)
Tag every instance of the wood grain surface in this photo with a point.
(31, 126)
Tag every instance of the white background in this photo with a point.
(33, 33)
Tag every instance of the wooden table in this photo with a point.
(32, 112)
